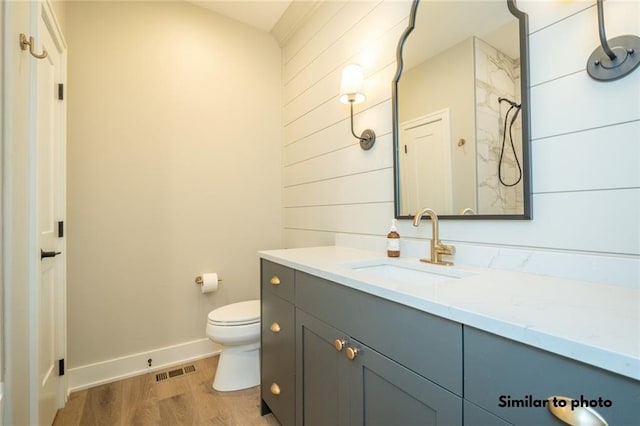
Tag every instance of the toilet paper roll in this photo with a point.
(209, 282)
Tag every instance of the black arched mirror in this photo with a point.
(461, 111)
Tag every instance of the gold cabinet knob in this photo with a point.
(275, 280)
(275, 327)
(275, 389)
(352, 353)
(339, 344)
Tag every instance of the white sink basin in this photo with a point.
(407, 273)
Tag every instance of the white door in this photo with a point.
(31, 122)
(49, 297)
(425, 162)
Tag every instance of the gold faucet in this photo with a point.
(437, 248)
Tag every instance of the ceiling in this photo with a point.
(261, 14)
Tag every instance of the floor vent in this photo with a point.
(175, 373)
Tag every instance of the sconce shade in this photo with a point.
(352, 85)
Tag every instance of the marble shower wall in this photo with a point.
(497, 75)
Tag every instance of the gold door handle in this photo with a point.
(275, 389)
(352, 353)
(339, 344)
(275, 327)
(275, 280)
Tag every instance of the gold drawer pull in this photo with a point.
(339, 344)
(571, 412)
(275, 327)
(275, 280)
(352, 353)
(275, 389)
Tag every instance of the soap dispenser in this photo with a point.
(393, 241)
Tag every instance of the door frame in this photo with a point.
(2, 320)
(20, 242)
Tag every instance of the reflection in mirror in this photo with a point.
(461, 128)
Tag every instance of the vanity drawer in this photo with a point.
(426, 344)
(498, 371)
(278, 279)
(278, 357)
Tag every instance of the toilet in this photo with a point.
(236, 327)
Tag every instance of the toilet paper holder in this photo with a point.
(200, 281)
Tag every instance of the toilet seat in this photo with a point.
(236, 314)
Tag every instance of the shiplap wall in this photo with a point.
(585, 147)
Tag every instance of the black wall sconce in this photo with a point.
(608, 63)
(351, 92)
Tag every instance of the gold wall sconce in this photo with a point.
(352, 92)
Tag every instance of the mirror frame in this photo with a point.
(523, 25)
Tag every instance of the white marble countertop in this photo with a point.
(597, 324)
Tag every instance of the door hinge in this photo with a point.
(61, 367)
(60, 92)
(61, 229)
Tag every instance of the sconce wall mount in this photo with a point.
(608, 63)
(367, 139)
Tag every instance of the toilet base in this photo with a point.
(238, 368)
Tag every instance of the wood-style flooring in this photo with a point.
(187, 399)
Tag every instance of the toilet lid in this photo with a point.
(240, 313)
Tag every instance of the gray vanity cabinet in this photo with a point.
(369, 389)
(498, 371)
(344, 357)
(278, 342)
(361, 360)
(429, 345)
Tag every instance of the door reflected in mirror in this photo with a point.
(461, 128)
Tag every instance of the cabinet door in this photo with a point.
(385, 393)
(476, 416)
(278, 357)
(321, 392)
(513, 381)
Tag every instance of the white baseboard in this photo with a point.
(90, 375)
